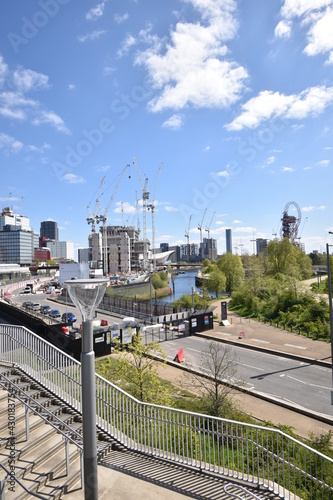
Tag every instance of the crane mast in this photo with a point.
(151, 207)
(145, 197)
(93, 217)
(208, 231)
(187, 236)
(200, 229)
(103, 218)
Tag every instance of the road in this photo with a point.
(300, 384)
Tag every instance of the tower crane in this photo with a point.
(187, 236)
(208, 231)
(151, 207)
(93, 216)
(145, 197)
(103, 218)
(200, 229)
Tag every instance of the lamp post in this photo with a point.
(330, 306)
(86, 295)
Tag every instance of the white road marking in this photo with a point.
(261, 341)
(250, 366)
(311, 385)
(224, 333)
(295, 346)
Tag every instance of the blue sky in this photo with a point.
(233, 97)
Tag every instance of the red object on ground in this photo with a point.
(104, 322)
(180, 355)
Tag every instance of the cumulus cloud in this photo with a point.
(120, 18)
(73, 179)
(96, 12)
(317, 17)
(283, 29)
(287, 169)
(9, 145)
(3, 70)
(126, 45)
(269, 105)
(26, 80)
(191, 69)
(51, 118)
(93, 35)
(174, 122)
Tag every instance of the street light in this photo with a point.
(330, 306)
(86, 295)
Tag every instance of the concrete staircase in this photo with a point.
(38, 460)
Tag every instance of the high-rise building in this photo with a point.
(209, 246)
(228, 239)
(63, 250)
(261, 244)
(49, 230)
(17, 238)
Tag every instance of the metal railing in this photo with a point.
(261, 456)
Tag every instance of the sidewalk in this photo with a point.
(249, 332)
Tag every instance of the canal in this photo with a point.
(183, 285)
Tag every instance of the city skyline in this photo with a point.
(233, 98)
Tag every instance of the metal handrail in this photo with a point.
(262, 456)
(50, 414)
(244, 490)
(37, 495)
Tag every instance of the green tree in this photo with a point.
(139, 368)
(216, 282)
(232, 267)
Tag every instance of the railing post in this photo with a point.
(67, 456)
(27, 427)
(2, 489)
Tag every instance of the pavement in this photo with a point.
(129, 476)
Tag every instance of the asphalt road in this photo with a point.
(301, 384)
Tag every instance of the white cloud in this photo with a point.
(271, 160)
(124, 207)
(26, 80)
(223, 173)
(283, 29)
(9, 145)
(73, 179)
(93, 35)
(120, 18)
(126, 45)
(191, 68)
(174, 122)
(96, 12)
(53, 119)
(71, 86)
(311, 208)
(206, 148)
(323, 163)
(3, 70)
(287, 169)
(269, 105)
(37, 149)
(317, 17)
(168, 208)
(236, 221)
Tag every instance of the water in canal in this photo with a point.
(183, 285)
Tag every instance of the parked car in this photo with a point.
(45, 309)
(55, 313)
(68, 317)
(27, 305)
(27, 289)
(35, 306)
